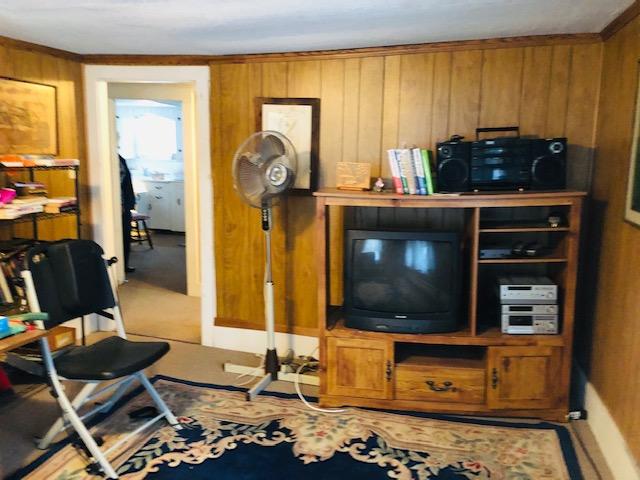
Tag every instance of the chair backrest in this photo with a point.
(70, 279)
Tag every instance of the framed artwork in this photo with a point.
(632, 211)
(298, 119)
(28, 122)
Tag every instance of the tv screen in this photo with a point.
(402, 281)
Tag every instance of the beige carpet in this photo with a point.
(153, 299)
(24, 420)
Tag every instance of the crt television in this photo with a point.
(406, 282)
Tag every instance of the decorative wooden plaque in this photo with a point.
(353, 176)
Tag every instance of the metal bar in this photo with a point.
(111, 386)
(157, 399)
(60, 423)
(259, 387)
(135, 432)
(76, 171)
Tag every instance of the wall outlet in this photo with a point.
(577, 415)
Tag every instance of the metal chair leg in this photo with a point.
(158, 400)
(82, 431)
(57, 427)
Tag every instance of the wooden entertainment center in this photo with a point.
(478, 369)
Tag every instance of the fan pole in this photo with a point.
(271, 363)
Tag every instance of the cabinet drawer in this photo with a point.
(438, 384)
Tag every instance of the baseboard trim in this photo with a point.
(607, 434)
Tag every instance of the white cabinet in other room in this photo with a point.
(178, 207)
(165, 205)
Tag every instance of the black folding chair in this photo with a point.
(69, 279)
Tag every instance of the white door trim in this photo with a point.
(104, 178)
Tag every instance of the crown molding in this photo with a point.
(37, 48)
(621, 21)
(532, 40)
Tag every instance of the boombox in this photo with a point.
(510, 163)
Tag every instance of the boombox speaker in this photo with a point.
(548, 163)
(452, 164)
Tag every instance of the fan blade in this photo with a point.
(249, 180)
(271, 146)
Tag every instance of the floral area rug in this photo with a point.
(276, 436)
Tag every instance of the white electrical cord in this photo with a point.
(253, 374)
(296, 382)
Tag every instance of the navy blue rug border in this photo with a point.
(566, 444)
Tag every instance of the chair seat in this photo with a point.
(110, 358)
(136, 216)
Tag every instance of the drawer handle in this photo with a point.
(446, 386)
(494, 378)
(158, 197)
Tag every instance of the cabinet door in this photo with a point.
(359, 368)
(523, 377)
(178, 207)
(160, 197)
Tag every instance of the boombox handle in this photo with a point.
(496, 129)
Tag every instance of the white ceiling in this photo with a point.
(258, 26)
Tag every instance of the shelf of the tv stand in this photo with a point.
(490, 336)
(516, 260)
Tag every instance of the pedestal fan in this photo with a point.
(264, 167)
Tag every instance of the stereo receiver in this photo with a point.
(527, 290)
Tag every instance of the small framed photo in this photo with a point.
(632, 210)
(298, 119)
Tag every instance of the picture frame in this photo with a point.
(632, 205)
(298, 119)
(28, 118)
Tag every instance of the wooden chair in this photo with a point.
(136, 234)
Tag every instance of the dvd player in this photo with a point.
(527, 290)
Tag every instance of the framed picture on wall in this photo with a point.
(28, 119)
(632, 211)
(298, 119)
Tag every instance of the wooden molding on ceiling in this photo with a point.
(532, 40)
(621, 20)
(35, 47)
(171, 60)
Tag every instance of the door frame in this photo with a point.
(104, 183)
(184, 93)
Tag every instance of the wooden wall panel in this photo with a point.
(371, 104)
(613, 266)
(66, 75)
(466, 82)
(501, 87)
(370, 112)
(536, 80)
(416, 93)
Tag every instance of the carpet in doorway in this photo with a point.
(276, 436)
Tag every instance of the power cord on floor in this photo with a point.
(311, 362)
(253, 373)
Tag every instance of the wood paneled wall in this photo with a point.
(614, 266)
(24, 63)
(370, 104)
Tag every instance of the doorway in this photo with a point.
(152, 138)
(104, 179)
